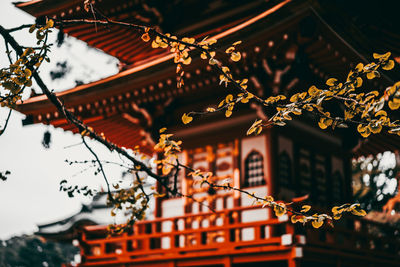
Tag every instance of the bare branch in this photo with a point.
(100, 166)
(5, 125)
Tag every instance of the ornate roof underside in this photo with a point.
(121, 129)
(285, 35)
(195, 18)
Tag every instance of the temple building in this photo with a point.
(287, 47)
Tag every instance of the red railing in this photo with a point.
(216, 233)
(226, 233)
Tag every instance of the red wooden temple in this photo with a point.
(287, 46)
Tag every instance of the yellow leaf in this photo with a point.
(376, 55)
(279, 210)
(187, 61)
(163, 45)
(229, 98)
(359, 212)
(381, 113)
(211, 41)
(259, 130)
(166, 170)
(375, 93)
(228, 113)
(389, 65)
(373, 74)
(253, 127)
(359, 67)
(229, 50)
(297, 111)
(359, 82)
(212, 61)
(203, 55)
(50, 23)
(186, 118)
(337, 216)
(317, 223)
(294, 98)
(146, 37)
(154, 44)
(210, 109)
(225, 69)
(303, 95)
(237, 43)
(364, 130)
(297, 218)
(269, 198)
(394, 105)
(32, 28)
(28, 72)
(381, 56)
(188, 40)
(324, 123)
(313, 91)
(163, 130)
(305, 208)
(244, 100)
(236, 56)
(331, 81)
(375, 128)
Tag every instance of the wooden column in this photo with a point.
(211, 160)
(236, 173)
(158, 200)
(186, 160)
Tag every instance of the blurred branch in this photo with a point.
(5, 125)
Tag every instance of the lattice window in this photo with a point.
(254, 170)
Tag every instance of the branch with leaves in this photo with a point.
(364, 109)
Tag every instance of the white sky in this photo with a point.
(30, 196)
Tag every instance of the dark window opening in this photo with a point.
(254, 170)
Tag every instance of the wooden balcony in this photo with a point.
(220, 239)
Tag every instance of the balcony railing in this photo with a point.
(224, 233)
(207, 233)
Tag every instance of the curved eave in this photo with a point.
(45, 7)
(158, 68)
(130, 50)
(122, 42)
(103, 85)
(100, 86)
(323, 55)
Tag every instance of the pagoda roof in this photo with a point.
(96, 213)
(126, 44)
(152, 81)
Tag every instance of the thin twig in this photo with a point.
(23, 26)
(100, 166)
(5, 125)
